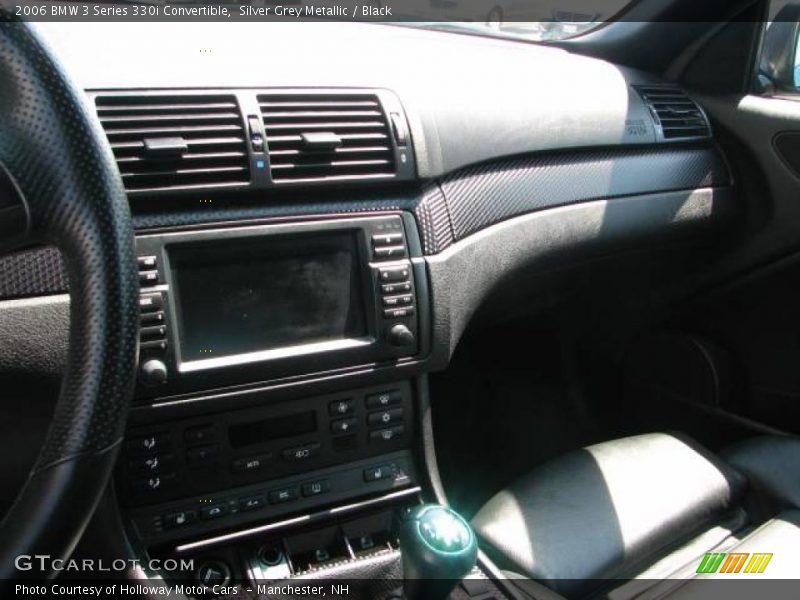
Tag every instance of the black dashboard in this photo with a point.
(316, 228)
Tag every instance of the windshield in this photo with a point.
(531, 20)
(536, 31)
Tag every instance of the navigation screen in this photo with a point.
(242, 295)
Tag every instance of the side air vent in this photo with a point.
(173, 142)
(678, 116)
(327, 137)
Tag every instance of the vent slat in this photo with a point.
(175, 172)
(164, 108)
(202, 117)
(334, 164)
(189, 157)
(333, 104)
(210, 127)
(352, 150)
(676, 113)
(321, 113)
(189, 129)
(357, 120)
(325, 125)
(214, 141)
(345, 137)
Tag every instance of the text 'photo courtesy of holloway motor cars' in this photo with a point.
(400, 299)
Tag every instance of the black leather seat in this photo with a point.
(638, 514)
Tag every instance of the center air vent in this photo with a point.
(679, 117)
(325, 137)
(173, 142)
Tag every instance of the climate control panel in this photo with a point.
(209, 453)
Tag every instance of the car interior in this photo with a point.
(424, 310)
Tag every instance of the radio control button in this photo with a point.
(395, 288)
(201, 456)
(252, 503)
(386, 435)
(151, 302)
(157, 331)
(153, 345)
(147, 262)
(301, 452)
(343, 426)
(378, 473)
(150, 464)
(385, 417)
(383, 399)
(341, 407)
(398, 313)
(314, 488)
(214, 511)
(283, 495)
(154, 443)
(403, 300)
(148, 277)
(155, 318)
(389, 252)
(251, 463)
(390, 275)
(199, 434)
(178, 519)
(152, 484)
(387, 239)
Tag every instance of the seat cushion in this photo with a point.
(606, 510)
(771, 465)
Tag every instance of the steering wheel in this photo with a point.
(53, 149)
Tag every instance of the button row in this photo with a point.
(153, 331)
(259, 461)
(149, 456)
(383, 472)
(148, 271)
(388, 246)
(247, 503)
(383, 423)
(396, 292)
(345, 408)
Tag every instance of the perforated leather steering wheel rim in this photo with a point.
(53, 147)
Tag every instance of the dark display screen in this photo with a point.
(258, 432)
(245, 295)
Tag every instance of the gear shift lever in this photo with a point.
(439, 549)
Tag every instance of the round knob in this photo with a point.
(400, 336)
(153, 372)
(270, 555)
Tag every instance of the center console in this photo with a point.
(232, 438)
(275, 432)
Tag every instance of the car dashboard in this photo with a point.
(316, 225)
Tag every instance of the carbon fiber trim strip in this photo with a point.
(434, 221)
(485, 194)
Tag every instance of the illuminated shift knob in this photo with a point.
(439, 549)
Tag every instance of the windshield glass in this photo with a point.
(532, 20)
